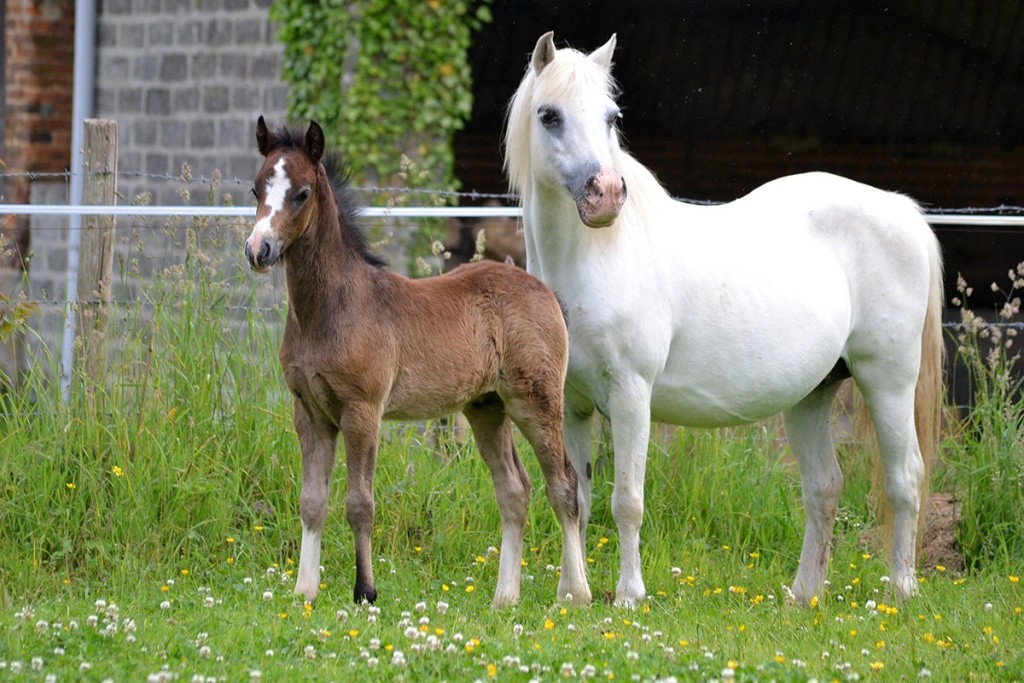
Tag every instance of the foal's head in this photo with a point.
(562, 130)
(285, 189)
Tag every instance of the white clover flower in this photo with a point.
(372, 662)
(421, 606)
(870, 605)
(205, 652)
(374, 643)
(568, 671)
(37, 664)
(100, 605)
(268, 595)
(442, 606)
(255, 676)
(411, 633)
(397, 658)
(677, 572)
(341, 615)
(92, 620)
(310, 652)
(268, 653)
(248, 582)
(84, 667)
(166, 604)
(517, 630)
(58, 651)
(41, 626)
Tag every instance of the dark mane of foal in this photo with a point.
(344, 197)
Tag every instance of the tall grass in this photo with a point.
(173, 488)
(986, 458)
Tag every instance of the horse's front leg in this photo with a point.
(579, 422)
(318, 442)
(360, 426)
(629, 408)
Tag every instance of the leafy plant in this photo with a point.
(389, 81)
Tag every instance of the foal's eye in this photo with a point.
(255, 193)
(549, 117)
(301, 196)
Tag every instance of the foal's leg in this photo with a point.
(318, 442)
(629, 407)
(821, 482)
(360, 425)
(492, 432)
(542, 426)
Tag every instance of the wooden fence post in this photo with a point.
(96, 252)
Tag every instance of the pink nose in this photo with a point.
(603, 197)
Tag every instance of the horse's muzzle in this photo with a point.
(265, 255)
(602, 199)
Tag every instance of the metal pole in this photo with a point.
(81, 109)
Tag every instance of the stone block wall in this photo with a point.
(185, 80)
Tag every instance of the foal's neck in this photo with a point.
(325, 268)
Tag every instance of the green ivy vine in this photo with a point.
(388, 80)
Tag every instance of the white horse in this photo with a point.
(720, 315)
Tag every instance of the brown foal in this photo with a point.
(363, 344)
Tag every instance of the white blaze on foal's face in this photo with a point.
(274, 196)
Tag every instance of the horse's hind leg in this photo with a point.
(540, 419)
(492, 432)
(821, 480)
(318, 443)
(892, 413)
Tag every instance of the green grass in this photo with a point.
(152, 531)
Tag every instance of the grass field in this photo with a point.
(150, 530)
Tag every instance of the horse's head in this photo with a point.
(562, 129)
(284, 185)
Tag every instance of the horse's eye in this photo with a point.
(614, 117)
(302, 196)
(550, 118)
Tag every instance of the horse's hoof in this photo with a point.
(308, 592)
(505, 599)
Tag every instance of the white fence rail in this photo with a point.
(394, 212)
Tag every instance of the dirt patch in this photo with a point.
(939, 546)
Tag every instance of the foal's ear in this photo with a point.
(315, 141)
(263, 137)
(544, 52)
(603, 54)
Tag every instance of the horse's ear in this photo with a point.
(263, 137)
(315, 141)
(603, 54)
(544, 52)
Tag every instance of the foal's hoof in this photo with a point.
(367, 594)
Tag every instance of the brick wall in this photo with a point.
(38, 66)
(185, 80)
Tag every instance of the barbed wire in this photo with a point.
(282, 307)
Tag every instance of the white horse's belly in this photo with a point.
(765, 339)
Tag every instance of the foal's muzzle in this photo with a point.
(265, 255)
